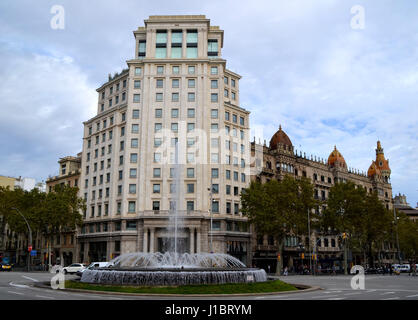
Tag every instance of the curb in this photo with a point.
(304, 288)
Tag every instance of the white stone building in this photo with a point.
(176, 89)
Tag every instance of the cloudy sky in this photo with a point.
(303, 66)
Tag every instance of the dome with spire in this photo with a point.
(336, 159)
(280, 137)
(380, 167)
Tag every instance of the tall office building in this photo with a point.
(176, 91)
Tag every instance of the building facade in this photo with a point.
(280, 158)
(62, 248)
(169, 136)
(400, 204)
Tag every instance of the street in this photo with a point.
(20, 286)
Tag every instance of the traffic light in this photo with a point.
(278, 257)
(302, 255)
(344, 235)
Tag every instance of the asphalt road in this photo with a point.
(20, 286)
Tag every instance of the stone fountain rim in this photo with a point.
(177, 269)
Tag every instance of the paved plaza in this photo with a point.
(21, 286)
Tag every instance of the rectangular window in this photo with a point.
(191, 83)
(160, 69)
(214, 97)
(233, 95)
(156, 188)
(214, 84)
(157, 157)
(241, 121)
(174, 113)
(158, 113)
(228, 174)
(190, 205)
(132, 188)
(157, 142)
(215, 173)
(214, 113)
(131, 206)
(191, 69)
(214, 70)
(137, 98)
(190, 188)
(174, 127)
(176, 69)
(159, 97)
(158, 127)
(213, 48)
(191, 97)
(156, 205)
(135, 114)
(138, 71)
(157, 172)
(134, 143)
(215, 207)
(141, 48)
(190, 172)
(134, 158)
(175, 97)
(132, 173)
(160, 83)
(190, 113)
(175, 83)
(233, 82)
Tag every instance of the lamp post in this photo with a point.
(397, 236)
(211, 217)
(30, 234)
(309, 243)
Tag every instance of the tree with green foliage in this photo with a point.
(408, 236)
(279, 208)
(46, 213)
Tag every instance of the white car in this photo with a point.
(93, 265)
(73, 268)
(404, 268)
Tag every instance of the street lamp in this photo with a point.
(30, 235)
(211, 217)
(397, 236)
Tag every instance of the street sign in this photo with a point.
(29, 248)
(33, 253)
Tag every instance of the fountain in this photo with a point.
(172, 268)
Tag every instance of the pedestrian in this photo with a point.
(334, 269)
(285, 272)
(391, 270)
(268, 267)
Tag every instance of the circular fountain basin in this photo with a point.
(171, 269)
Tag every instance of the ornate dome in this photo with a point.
(336, 159)
(280, 137)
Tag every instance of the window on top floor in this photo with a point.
(191, 40)
(233, 82)
(212, 48)
(176, 44)
(141, 49)
(161, 44)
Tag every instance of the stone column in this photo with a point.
(151, 241)
(192, 240)
(198, 241)
(145, 249)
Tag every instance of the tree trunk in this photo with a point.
(279, 265)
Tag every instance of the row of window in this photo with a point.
(191, 70)
(117, 87)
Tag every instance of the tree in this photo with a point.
(47, 214)
(408, 236)
(278, 208)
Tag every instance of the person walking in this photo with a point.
(285, 272)
(390, 270)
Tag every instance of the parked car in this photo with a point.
(404, 268)
(73, 268)
(93, 265)
(6, 267)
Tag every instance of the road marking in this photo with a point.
(319, 297)
(352, 294)
(335, 298)
(394, 298)
(414, 295)
(29, 278)
(391, 292)
(372, 290)
(15, 292)
(44, 297)
(18, 285)
(332, 291)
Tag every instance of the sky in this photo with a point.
(305, 65)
